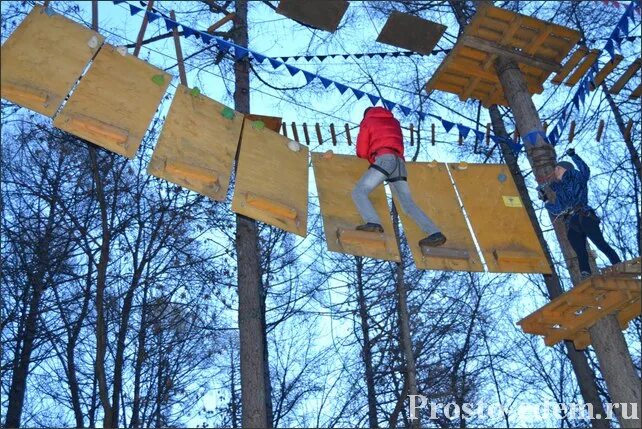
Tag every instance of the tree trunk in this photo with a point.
(607, 338)
(251, 328)
(404, 323)
(101, 281)
(583, 372)
(366, 348)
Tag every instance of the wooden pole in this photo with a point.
(220, 23)
(334, 135)
(295, 133)
(317, 127)
(143, 27)
(488, 134)
(348, 135)
(432, 134)
(305, 133)
(284, 129)
(412, 135)
(571, 132)
(600, 130)
(179, 51)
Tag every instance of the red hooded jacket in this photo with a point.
(379, 133)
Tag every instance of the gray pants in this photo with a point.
(372, 178)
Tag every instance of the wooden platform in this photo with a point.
(197, 145)
(115, 101)
(423, 38)
(272, 179)
(538, 47)
(498, 218)
(433, 192)
(324, 15)
(43, 58)
(335, 178)
(568, 317)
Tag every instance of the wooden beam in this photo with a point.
(305, 134)
(628, 74)
(608, 68)
(220, 22)
(472, 84)
(333, 134)
(317, 127)
(627, 131)
(284, 129)
(179, 51)
(295, 133)
(636, 92)
(432, 133)
(588, 61)
(143, 27)
(537, 42)
(488, 134)
(412, 135)
(571, 132)
(495, 48)
(570, 64)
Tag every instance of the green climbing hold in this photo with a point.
(158, 79)
(258, 125)
(227, 113)
(195, 92)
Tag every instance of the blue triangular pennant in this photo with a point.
(223, 45)
(421, 115)
(340, 87)
(373, 99)
(293, 70)
(610, 48)
(405, 110)
(309, 77)
(447, 125)
(284, 59)
(206, 38)
(326, 82)
(260, 58)
(151, 16)
(463, 130)
(275, 64)
(170, 24)
(358, 56)
(357, 93)
(480, 135)
(134, 10)
(308, 58)
(118, 1)
(624, 25)
(240, 52)
(187, 31)
(388, 104)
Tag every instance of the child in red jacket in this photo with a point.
(381, 143)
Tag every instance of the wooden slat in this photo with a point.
(295, 132)
(317, 128)
(628, 74)
(636, 92)
(333, 135)
(348, 138)
(518, 56)
(600, 130)
(306, 134)
(588, 61)
(570, 64)
(604, 72)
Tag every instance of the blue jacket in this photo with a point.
(572, 190)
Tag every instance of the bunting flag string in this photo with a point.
(359, 56)
(619, 34)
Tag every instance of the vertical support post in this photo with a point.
(284, 129)
(179, 51)
(432, 133)
(600, 130)
(333, 134)
(305, 134)
(295, 133)
(317, 127)
(488, 134)
(143, 27)
(412, 135)
(571, 132)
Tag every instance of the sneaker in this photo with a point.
(584, 275)
(370, 227)
(433, 240)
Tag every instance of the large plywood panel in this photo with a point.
(498, 218)
(335, 178)
(198, 143)
(325, 15)
(43, 58)
(272, 179)
(423, 38)
(434, 193)
(114, 102)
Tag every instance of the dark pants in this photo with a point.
(587, 225)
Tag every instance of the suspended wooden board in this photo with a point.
(197, 145)
(324, 15)
(500, 223)
(433, 192)
(272, 179)
(569, 316)
(537, 46)
(422, 38)
(43, 58)
(336, 177)
(271, 122)
(114, 102)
